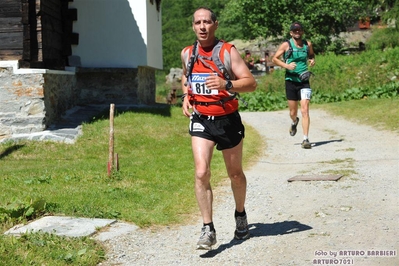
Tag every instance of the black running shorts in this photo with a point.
(297, 91)
(226, 131)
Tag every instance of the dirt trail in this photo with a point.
(300, 222)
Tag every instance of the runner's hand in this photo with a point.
(214, 82)
(291, 66)
(186, 107)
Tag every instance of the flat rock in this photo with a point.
(62, 226)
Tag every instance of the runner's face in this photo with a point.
(297, 33)
(204, 27)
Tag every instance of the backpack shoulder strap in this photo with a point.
(191, 60)
(225, 68)
(289, 52)
(305, 42)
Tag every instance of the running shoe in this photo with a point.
(207, 238)
(293, 127)
(306, 144)
(241, 231)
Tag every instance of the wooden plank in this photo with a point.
(24, 64)
(25, 13)
(52, 54)
(53, 24)
(10, 8)
(11, 24)
(51, 7)
(11, 54)
(10, 40)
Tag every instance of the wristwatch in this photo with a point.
(229, 85)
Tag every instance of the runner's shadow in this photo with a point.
(282, 228)
(260, 230)
(314, 144)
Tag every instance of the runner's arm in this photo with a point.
(186, 106)
(280, 52)
(245, 81)
(312, 61)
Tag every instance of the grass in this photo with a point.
(47, 249)
(379, 113)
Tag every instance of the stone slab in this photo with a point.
(315, 178)
(115, 230)
(63, 226)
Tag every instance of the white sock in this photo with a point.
(305, 137)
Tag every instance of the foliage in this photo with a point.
(370, 74)
(321, 19)
(17, 210)
(266, 101)
(177, 26)
(388, 10)
(383, 38)
(48, 249)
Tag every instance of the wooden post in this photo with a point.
(111, 139)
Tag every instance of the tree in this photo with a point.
(177, 27)
(388, 10)
(322, 19)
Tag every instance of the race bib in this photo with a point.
(306, 94)
(198, 86)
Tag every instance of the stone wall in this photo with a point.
(107, 85)
(31, 100)
(146, 85)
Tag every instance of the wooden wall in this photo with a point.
(37, 33)
(11, 30)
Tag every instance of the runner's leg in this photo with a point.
(233, 161)
(202, 152)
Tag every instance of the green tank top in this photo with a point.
(300, 57)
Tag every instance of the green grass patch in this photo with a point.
(48, 249)
(379, 113)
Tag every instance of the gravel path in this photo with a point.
(300, 222)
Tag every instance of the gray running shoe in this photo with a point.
(241, 231)
(293, 127)
(207, 238)
(306, 144)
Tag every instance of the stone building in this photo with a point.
(58, 54)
